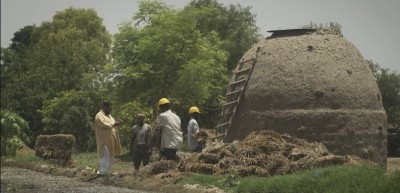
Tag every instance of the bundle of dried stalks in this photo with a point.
(262, 153)
(162, 166)
(55, 148)
(155, 138)
(202, 137)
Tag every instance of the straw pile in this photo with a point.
(55, 148)
(202, 137)
(155, 136)
(263, 153)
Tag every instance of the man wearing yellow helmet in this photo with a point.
(171, 134)
(193, 129)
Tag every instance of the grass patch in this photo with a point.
(24, 158)
(90, 159)
(335, 179)
(83, 160)
(204, 180)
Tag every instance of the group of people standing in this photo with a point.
(168, 123)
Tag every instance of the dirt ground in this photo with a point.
(24, 181)
(263, 153)
(14, 179)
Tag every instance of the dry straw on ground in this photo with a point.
(262, 153)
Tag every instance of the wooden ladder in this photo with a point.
(235, 90)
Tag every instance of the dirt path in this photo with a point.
(24, 181)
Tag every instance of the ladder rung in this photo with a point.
(218, 136)
(225, 114)
(240, 71)
(234, 92)
(223, 124)
(233, 102)
(237, 82)
(246, 61)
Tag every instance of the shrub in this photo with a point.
(13, 129)
(73, 113)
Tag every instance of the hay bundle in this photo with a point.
(162, 166)
(278, 164)
(330, 160)
(251, 170)
(200, 168)
(171, 176)
(227, 162)
(298, 153)
(155, 138)
(202, 137)
(208, 158)
(55, 148)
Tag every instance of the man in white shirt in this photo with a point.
(193, 129)
(171, 134)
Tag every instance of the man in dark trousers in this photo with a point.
(171, 134)
(140, 142)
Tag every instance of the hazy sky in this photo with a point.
(371, 25)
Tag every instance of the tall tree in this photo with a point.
(64, 54)
(183, 54)
(235, 25)
(389, 86)
(159, 56)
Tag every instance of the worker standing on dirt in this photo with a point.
(140, 147)
(107, 138)
(193, 130)
(171, 134)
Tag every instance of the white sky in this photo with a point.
(371, 25)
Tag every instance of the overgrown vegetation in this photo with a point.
(72, 113)
(389, 86)
(335, 179)
(13, 132)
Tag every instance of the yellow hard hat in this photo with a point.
(194, 110)
(163, 101)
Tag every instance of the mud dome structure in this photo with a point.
(314, 86)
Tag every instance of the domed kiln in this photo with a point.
(314, 86)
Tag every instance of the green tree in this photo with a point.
(184, 55)
(127, 113)
(73, 113)
(13, 132)
(167, 55)
(65, 54)
(235, 25)
(330, 28)
(389, 86)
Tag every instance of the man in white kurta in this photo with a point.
(107, 138)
